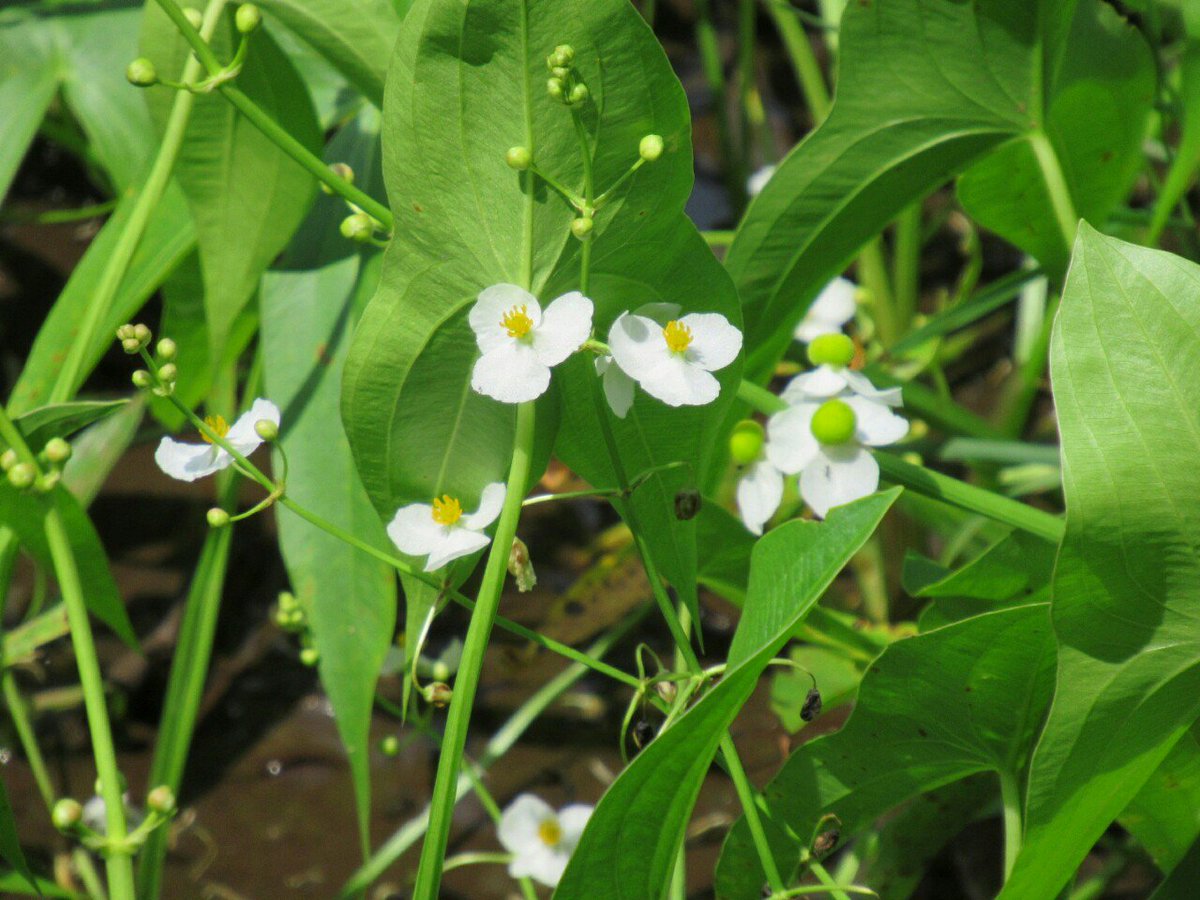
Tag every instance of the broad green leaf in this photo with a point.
(15, 882)
(62, 420)
(246, 195)
(309, 308)
(356, 36)
(10, 841)
(631, 841)
(27, 85)
(723, 546)
(1181, 883)
(1100, 85)
(1125, 367)
(97, 449)
(931, 710)
(1165, 814)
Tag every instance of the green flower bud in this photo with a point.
(142, 333)
(833, 422)
(288, 601)
(46, 482)
(582, 228)
(194, 17)
(131, 345)
(217, 517)
(295, 619)
(556, 88)
(439, 694)
(8, 459)
(57, 450)
(247, 18)
(560, 72)
(390, 745)
(579, 93)
(358, 227)
(831, 350)
(267, 430)
(564, 55)
(161, 800)
(913, 458)
(309, 656)
(22, 476)
(125, 331)
(67, 814)
(142, 379)
(166, 349)
(651, 147)
(168, 373)
(141, 73)
(518, 158)
(342, 171)
(746, 442)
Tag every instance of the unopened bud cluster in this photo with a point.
(134, 340)
(564, 84)
(359, 227)
(291, 617)
(40, 476)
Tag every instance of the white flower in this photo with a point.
(674, 363)
(540, 840)
(826, 381)
(618, 387)
(759, 492)
(758, 180)
(441, 530)
(95, 814)
(832, 309)
(824, 442)
(520, 341)
(187, 462)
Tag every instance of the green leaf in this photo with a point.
(1164, 817)
(1125, 367)
(96, 451)
(246, 195)
(931, 710)
(1181, 883)
(62, 420)
(27, 85)
(10, 842)
(309, 308)
(15, 882)
(723, 546)
(631, 841)
(356, 36)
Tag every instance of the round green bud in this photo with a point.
(579, 93)
(166, 349)
(390, 745)
(194, 17)
(247, 18)
(651, 147)
(582, 228)
(46, 482)
(833, 422)
(342, 171)
(295, 618)
(917, 429)
(831, 350)
(22, 476)
(67, 813)
(142, 379)
(142, 333)
(357, 227)
(57, 450)
(131, 345)
(168, 373)
(141, 72)
(439, 694)
(560, 71)
(125, 331)
(564, 55)
(555, 87)
(8, 459)
(217, 517)
(161, 800)
(309, 656)
(267, 430)
(913, 458)
(518, 158)
(746, 442)
(287, 601)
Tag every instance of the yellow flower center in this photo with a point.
(516, 321)
(446, 510)
(550, 832)
(678, 336)
(218, 425)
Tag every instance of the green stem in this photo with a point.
(1010, 796)
(708, 43)
(827, 880)
(433, 850)
(905, 266)
(19, 713)
(872, 272)
(71, 375)
(933, 484)
(1056, 185)
(804, 61)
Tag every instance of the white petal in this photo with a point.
(457, 543)
(838, 475)
(489, 309)
(715, 342)
(677, 382)
(662, 313)
(618, 387)
(823, 381)
(572, 820)
(637, 344)
(758, 494)
(836, 302)
(861, 385)
(790, 442)
(566, 324)
(242, 434)
(414, 530)
(543, 864)
(510, 373)
(875, 424)
(187, 462)
(518, 828)
(491, 501)
(758, 180)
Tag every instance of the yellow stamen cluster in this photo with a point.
(678, 336)
(517, 322)
(446, 510)
(550, 832)
(218, 425)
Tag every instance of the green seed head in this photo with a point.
(267, 430)
(248, 18)
(582, 228)
(217, 517)
(651, 147)
(746, 442)
(66, 814)
(141, 72)
(518, 158)
(834, 422)
(831, 350)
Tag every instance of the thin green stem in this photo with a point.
(827, 881)
(906, 256)
(873, 273)
(804, 61)
(61, 216)
(1056, 185)
(1010, 796)
(708, 43)
(433, 850)
(18, 711)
